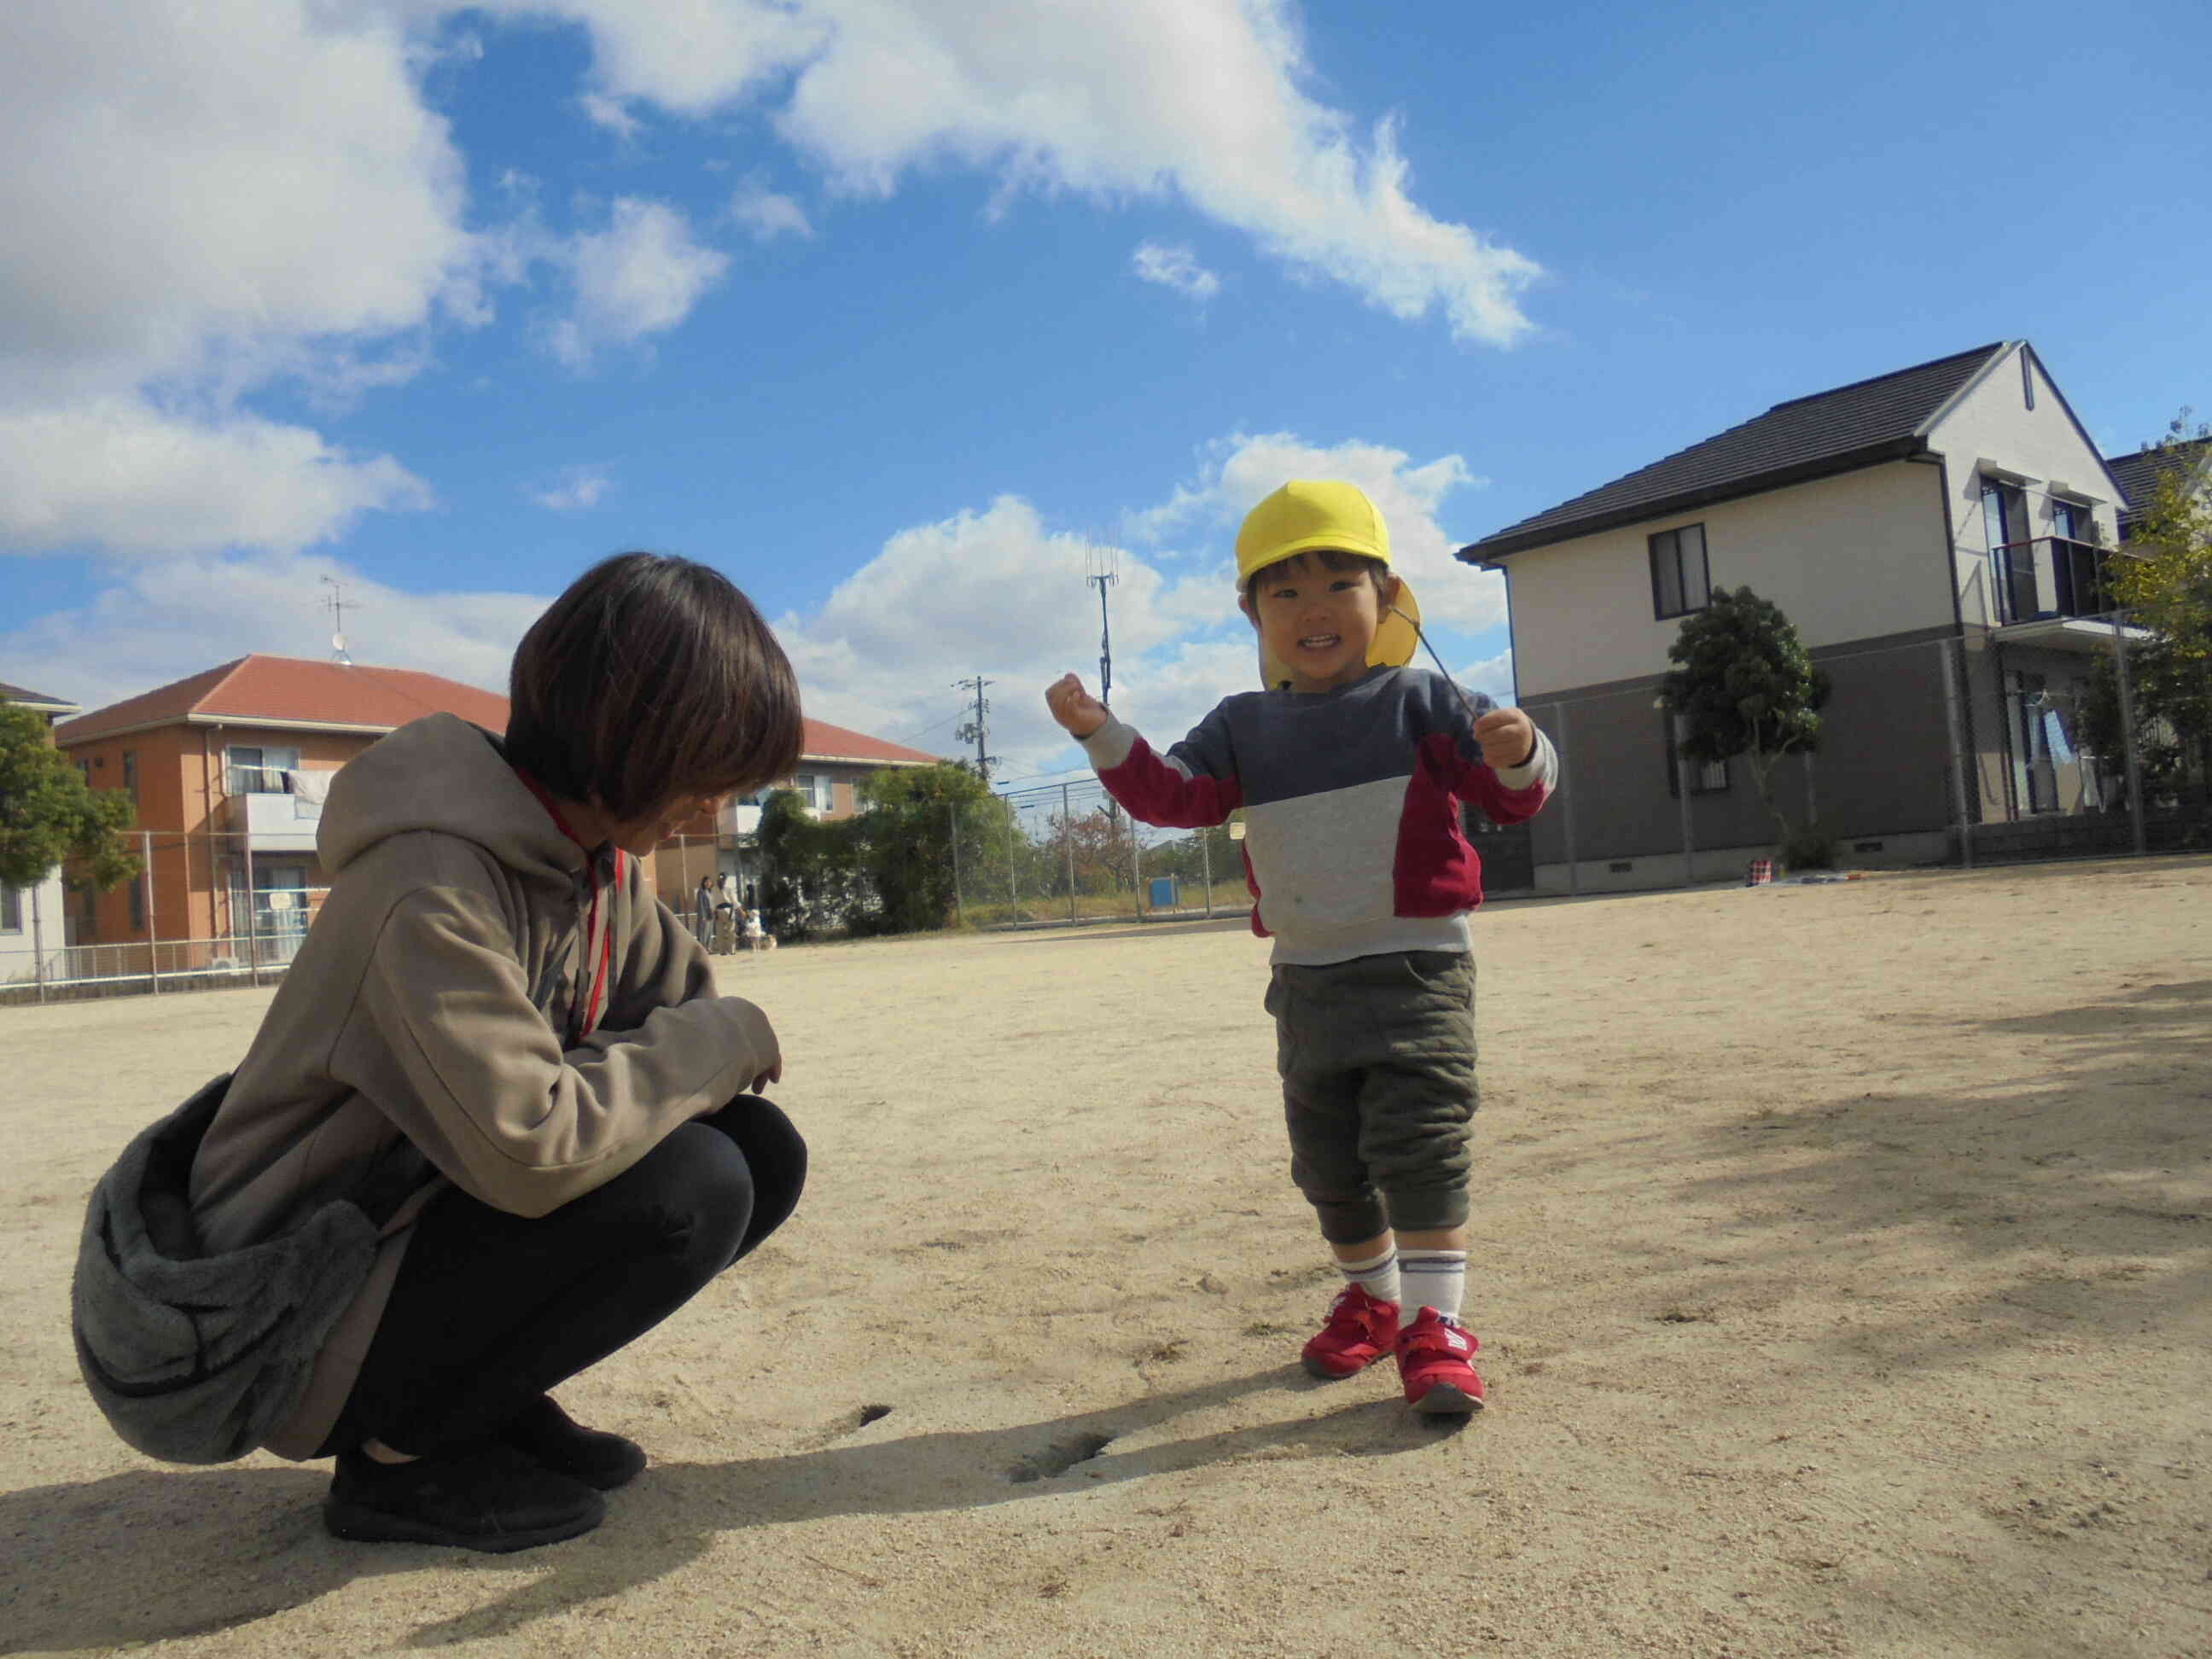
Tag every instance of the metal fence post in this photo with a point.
(38, 944)
(952, 819)
(2128, 728)
(253, 917)
(1567, 803)
(1682, 776)
(1136, 869)
(1205, 857)
(153, 925)
(1954, 670)
(1013, 892)
(1068, 840)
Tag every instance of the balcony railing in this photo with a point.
(255, 780)
(2076, 574)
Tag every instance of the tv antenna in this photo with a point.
(1102, 569)
(336, 603)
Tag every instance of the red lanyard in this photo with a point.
(594, 927)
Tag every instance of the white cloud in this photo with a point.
(165, 620)
(122, 474)
(1174, 267)
(1202, 100)
(580, 487)
(610, 113)
(1492, 674)
(766, 215)
(183, 184)
(640, 277)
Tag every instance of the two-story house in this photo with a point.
(833, 762)
(32, 929)
(1939, 536)
(229, 768)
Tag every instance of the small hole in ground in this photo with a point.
(873, 1414)
(1058, 1458)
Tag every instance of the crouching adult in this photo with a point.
(498, 1044)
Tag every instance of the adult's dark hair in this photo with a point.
(651, 679)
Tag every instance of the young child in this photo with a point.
(1350, 766)
(499, 1045)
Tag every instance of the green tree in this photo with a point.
(905, 829)
(1744, 686)
(811, 877)
(48, 816)
(2164, 579)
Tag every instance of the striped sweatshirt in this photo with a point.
(1352, 843)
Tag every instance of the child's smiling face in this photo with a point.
(1316, 622)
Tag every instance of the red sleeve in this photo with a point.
(1159, 791)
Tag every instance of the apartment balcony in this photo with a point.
(263, 808)
(2054, 592)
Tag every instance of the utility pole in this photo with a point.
(1104, 565)
(975, 730)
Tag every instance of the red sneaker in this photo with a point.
(1434, 1356)
(1361, 1329)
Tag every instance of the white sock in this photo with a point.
(1378, 1276)
(1433, 1278)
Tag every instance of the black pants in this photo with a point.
(492, 1309)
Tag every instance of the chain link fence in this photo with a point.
(1065, 853)
(205, 910)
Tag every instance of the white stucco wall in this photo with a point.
(1849, 557)
(1992, 422)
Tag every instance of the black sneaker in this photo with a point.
(552, 1439)
(492, 1498)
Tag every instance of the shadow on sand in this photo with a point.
(155, 1555)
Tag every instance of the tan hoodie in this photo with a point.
(430, 1028)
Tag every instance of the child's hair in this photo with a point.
(1335, 558)
(651, 680)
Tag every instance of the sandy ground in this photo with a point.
(1841, 1273)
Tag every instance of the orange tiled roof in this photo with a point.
(293, 690)
(828, 742)
(260, 688)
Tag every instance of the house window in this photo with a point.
(2071, 520)
(253, 770)
(1680, 580)
(130, 774)
(11, 911)
(2012, 562)
(814, 790)
(84, 771)
(88, 906)
(2026, 382)
(137, 890)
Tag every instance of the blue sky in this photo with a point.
(893, 310)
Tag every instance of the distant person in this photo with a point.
(496, 1043)
(1350, 766)
(702, 908)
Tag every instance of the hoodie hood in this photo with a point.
(441, 773)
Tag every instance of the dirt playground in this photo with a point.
(1840, 1267)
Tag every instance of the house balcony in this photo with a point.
(265, 811)
(2055, 592)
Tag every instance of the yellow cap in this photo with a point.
(1310, 514)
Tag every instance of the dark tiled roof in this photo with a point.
(2136, 473)
(31, 699)
(1829, 432)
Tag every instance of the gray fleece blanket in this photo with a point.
(193, 1357)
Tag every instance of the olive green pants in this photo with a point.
(1377, 1060)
